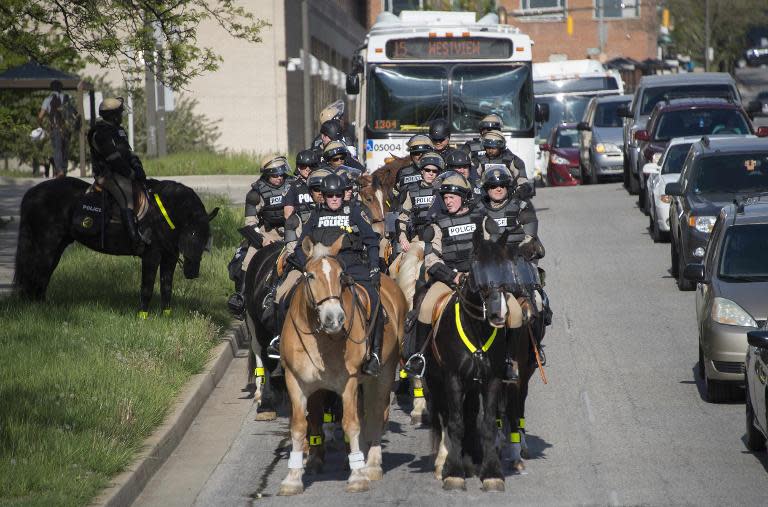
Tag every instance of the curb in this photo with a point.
(127, 486)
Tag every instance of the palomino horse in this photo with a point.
(323, 346)
(466, 366)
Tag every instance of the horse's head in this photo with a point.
(492, 273)
(323, 281)
(372, 195)
(194, 239)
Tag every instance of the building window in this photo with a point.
(396, 6)
(527, 5)
(618, 8)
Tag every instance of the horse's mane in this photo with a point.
(386, 174)
(320, 250)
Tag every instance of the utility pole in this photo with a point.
(160, 115)
(601, 25)
(706, 36)
(149, 96)
(307, 70)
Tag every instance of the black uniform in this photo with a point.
(299, 196)
(405, 176)
(507, 158)
(456, 244)
(110, 151)
(515, 215)
(474, 149)
(421, 197)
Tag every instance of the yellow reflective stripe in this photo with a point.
(521, 425)
(165, 213)
(143, 315)
(418, 392)
(464, 337)
(403, 374)
(514, 437)
(258, 371)
(315, 440)
(327, 417)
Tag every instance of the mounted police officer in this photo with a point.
(418, 145)
(459, 161)
(115, 165)
(359, 257)
(496, 152)
(474, 147)
(333, 112)
(336, 154)
(440, 134)
(298, 198)
(264, 219)
(417, 200)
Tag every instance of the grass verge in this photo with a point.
(188, 163)
(83, 382)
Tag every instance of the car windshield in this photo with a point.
(700, 122)
(405, 98)
(744, 249)
(567, 138)
(732, 173)
(605, 114)
(652, 96)
(582, 84)
(675, 157)
(563, 109)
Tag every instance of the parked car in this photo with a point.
(666, 171)
(563, 148)
(715, 172)
(732, 293)
(756, 379)
(757, 56)
(600, 139)
(687, 117)
(653, 89)
(759, 105)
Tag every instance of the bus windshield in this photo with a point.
(405, 98)
(575, 85)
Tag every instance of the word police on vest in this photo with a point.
(278, 199)
(340, 221)
(461, 229)
(411, 179)
(305, 198)
(501, 221)
(424, 200)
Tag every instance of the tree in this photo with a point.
(729, 23)
(125, 33)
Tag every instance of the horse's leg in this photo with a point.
(292, 484)
(149, 263)
(490, 468)
(167, 268)
(267, 409)
(514, 414)
(376, 401)
(315, 412)
(358, 481)
(419, 412)
(453, 470)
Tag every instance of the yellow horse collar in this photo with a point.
(465, 338)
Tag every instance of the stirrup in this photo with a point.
(273, 349)
(416, 365)
(236, 304)
(372, 367)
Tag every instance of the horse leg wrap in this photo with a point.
(296, 460)
(356, 460)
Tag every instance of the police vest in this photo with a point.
(118, 137)
(332, 224)
(421, 199)
(304, 204)
(407, 176)
(271, 214)
(506, 217)
(457, 239)
(475, 148)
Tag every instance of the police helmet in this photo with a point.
(333, 112)
(275, 166)
(333, 149)
(307, 157)
(353, 173)
(458, 158)
(433, 159)
(112, 106)
(315, 180)
(496, 176)
(439, 130)
(490, 122)
(494, 139)
(333, 184)
(332, 129)
(420, 144)
(455, 183)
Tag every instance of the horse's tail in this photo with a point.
(408, 273)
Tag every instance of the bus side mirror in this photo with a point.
(353, 84)
(542, 113)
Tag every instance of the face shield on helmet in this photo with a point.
(332, 112)
(315, 180)
(275, 166)
(494, 139)
(455, 183)
(490, 122)
(496, 175)
(439, 130)
(335, 151)
(420, 144)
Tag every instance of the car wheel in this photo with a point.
(755, 439)
(634, 184)
(655, 232)
(583, 176)
(641, 198)
(700, 367)
(683, 283)
(593, 179)
(673, 255)
(626, 173)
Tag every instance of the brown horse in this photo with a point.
(323, 346)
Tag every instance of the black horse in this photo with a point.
(46, 229)
(466, 368)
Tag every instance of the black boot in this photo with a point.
(129, 222)
(236, 301)
(416, 363)
(372, 367)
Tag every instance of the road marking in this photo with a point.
(588, 406)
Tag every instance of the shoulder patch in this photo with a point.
(364, 216)
(346, 209)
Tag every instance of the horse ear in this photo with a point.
(213, 213)
(336, 246)
(307, 246)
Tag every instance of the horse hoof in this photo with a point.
(374, 473)
(518, 466)
(439, 473)
(416, 419)
(493, 485)
(454, 484)
(524, 453)
(266, 416)
(358, 486)
(290, 489)
(314, 466)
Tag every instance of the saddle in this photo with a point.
(97, 209)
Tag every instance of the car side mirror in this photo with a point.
(353, 84)
(762, 132)
(758, 338)
(623, 111)
(754, 106)
(675, 189)
(545, 147)
(582, 125)
(642, 135)
(542, 113)
(650, 168)
(694, 272)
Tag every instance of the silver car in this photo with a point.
(601, 139)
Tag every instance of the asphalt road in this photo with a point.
(622, 421)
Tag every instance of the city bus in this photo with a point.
(423, 65)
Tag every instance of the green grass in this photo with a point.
(15, 173)
(183, 164)
(83, 381)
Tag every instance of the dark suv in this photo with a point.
(683, 118)
(715, 173)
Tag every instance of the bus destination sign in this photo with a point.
(436, 48)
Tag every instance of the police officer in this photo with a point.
(359, 258)
(459, 161)
(264, 217)
(334, 112)
(440, 134)
(496, 152)
(417, 145)
(298, 198)
(474, 147)
(417, 201)
(336, 154)
(115, 165)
